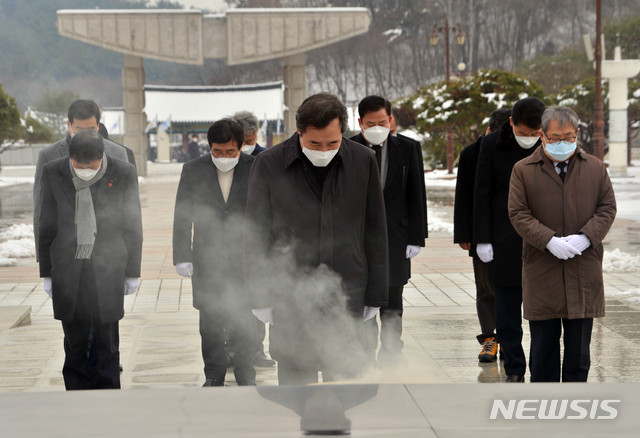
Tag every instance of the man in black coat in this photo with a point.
(83, 115)
(193, 148)
(90, 248)
(495, 238)
(317, 262)
(463, 236)
(402, 188)
(208, 227)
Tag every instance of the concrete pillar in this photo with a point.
(295, 89)
(618, 72)
(135, 119)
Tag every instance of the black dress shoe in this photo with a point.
(213, 382)
(261, 360)
(514, 378)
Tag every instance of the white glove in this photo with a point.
(485, 252)
(370, 312)
(265, 314)
(561, 249)
(47, 286)
(184, 269)
(412, 251)
(131, 285)
(578, 241)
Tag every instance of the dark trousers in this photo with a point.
(92, 356)
(509, 328)
(103, 370)
(544, 358)
(391, 323)
(212, 333)
(485, 302)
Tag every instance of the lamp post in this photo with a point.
(598, 133)
(433, 39)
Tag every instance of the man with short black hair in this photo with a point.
(463, 236)
(208, 227)
(496, 240)
(318, 257)
(90, 249)
(402, 186)
(562, 204)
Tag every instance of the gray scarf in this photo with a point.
(85, 220)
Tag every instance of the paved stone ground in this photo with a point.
(160, 344)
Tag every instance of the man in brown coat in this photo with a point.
(562, 204)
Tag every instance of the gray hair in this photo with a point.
(562, 115)
(248, 121)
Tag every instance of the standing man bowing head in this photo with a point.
(90, 248)
(208, 226)
(318, 210)
(562, 204)
(496, 240)
(401, 181)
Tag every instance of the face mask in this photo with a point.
(526, 142)
(376, 134)
(561, 150)
(319, 158)
(248, 148)
(85, 174)
(225, 164)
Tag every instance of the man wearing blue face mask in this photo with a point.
(496, 241)
(562, 204)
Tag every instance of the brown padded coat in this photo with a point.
(542, 206)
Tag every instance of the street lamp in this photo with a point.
(433, 39)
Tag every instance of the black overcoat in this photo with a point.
(403, 206)
(117, 250)
(208, 232)
(499, 151)
(463, 202)
(418, 148)
(320, 252)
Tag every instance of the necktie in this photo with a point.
(378, 150)
(563, 170)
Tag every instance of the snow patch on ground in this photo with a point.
(16, 242)
(618, 261)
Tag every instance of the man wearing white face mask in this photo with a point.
(318, 213)
(83, 115)
(562, 204)
(496, 240)
(90, 245)
(249, 123)
(401, 181)
(208, 227)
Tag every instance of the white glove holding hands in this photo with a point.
(47, 286)
(485, 252)
(370, 312)
(561, 249)
(265, 314)
(184, 269)
(412, 251)
(131, 285)
(578, 241)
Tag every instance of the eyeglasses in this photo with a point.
(556, 139)
(217, 153)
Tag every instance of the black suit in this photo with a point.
(463, 233)
(89, 294)
(258, 149)
(499, 152)
(216, 253)
(405, 226)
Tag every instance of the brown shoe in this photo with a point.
(489, 351)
